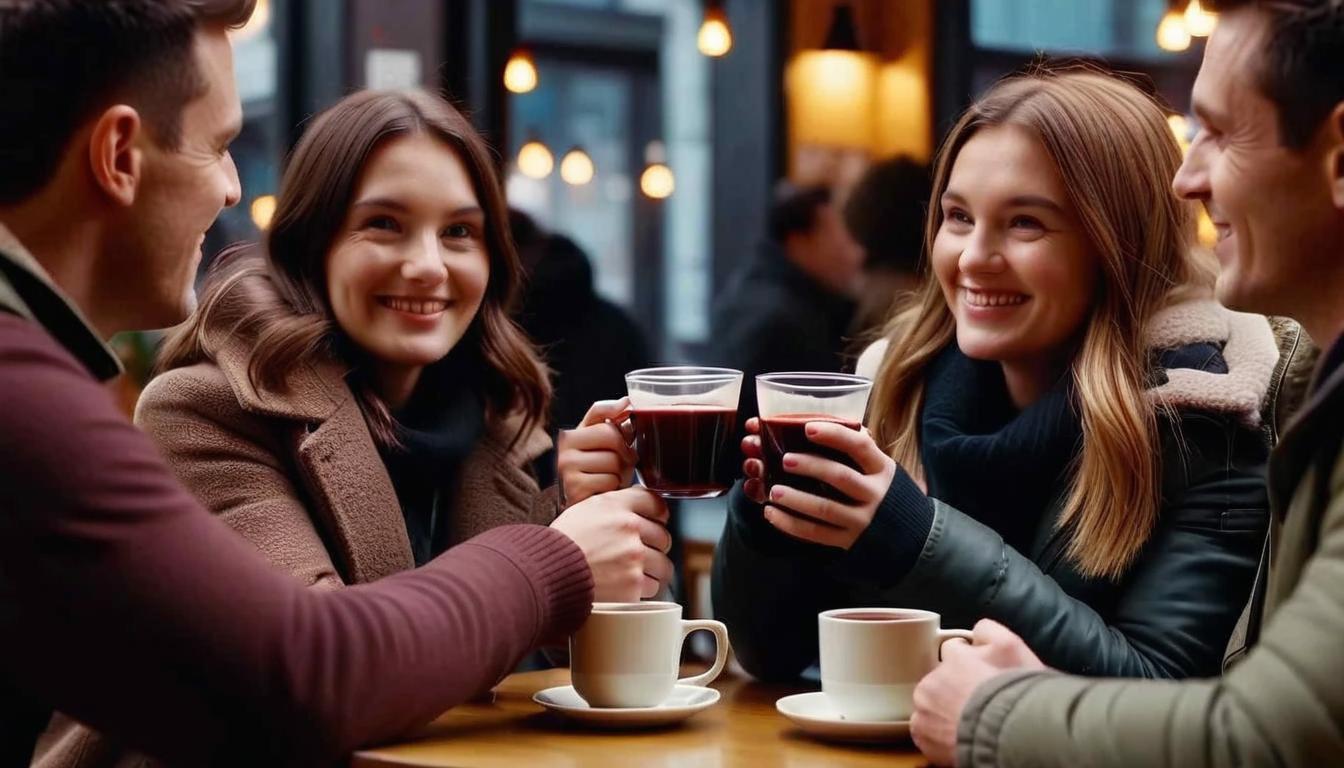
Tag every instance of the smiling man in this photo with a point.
(1268, 164)
(124, 604)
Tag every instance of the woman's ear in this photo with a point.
(115, 161)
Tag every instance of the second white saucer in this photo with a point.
(813, 713)
(686, 700)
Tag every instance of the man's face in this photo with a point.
(1277, 227)
(183, 190)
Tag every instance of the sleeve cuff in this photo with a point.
(981, 725)
(886, 551)
(556, 567)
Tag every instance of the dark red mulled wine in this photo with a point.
(685, 452)
(787, 434)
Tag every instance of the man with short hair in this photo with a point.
(1268, 165)
(124, 603)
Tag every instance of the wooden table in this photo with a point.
(743, 729)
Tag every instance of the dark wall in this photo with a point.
(748, 126)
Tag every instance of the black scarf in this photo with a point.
(438, 427)
(981, 456)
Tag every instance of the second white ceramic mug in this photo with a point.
(872, 659)
(629, 654)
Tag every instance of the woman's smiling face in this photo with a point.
(1011, 257)
(408, 270)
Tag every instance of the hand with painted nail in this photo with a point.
(833, 522)
(597, 456)
(753, 468)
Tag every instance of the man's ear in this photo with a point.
(114, 159)
(1334, 155)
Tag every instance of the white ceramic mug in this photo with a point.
(628, 654)
(872, 659)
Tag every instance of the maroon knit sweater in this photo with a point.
(128, 606)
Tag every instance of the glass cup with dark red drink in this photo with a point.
(787, 403)
(684, 419)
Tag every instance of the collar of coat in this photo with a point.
(314, 391)
(1248, 347)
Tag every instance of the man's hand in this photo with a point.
(942, 694)
(624, 537)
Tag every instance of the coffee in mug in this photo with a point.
(872, 659)
(629, 654)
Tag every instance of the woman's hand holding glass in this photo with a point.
(597, 456)
(834, 523)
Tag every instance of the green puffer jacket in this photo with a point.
(1281, 705)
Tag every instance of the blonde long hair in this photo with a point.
(1117, 155)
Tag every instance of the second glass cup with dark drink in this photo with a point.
(788, 402)
(684, 419)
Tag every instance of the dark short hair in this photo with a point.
(794, 209)
(885, 212)
(1302, 62)
(63, 61)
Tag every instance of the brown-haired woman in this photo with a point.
(1082, 415)
(353, 398)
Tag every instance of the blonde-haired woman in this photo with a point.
(1064, 427)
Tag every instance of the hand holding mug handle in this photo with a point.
(946, 636)
(720, 649)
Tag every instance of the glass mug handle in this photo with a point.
(720, 649)
(948, 635)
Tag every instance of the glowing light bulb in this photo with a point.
(1172, 34)
(577, 167)
(657, 181)
(263, 210)
(520, 73)
(715, 37)
(535, 160)
(1180, 128)
(1199, 22)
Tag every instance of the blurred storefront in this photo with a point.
(652, 139)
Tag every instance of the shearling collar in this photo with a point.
(312, 391)
(1248, 348)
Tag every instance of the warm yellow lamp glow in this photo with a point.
(1180, 128)
(261, 18)
(1172, 34)
(716, 37)
(535, 160)
(657, 181)
(520, 73)
(577, 167)
(263, 210)
(902, 111)
(1199, 22)
(830, 97)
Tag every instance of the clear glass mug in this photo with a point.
(787, 402)
(685, 420)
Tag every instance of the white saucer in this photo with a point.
(685, 701)
(813, 713)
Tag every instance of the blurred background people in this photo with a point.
(588, 341)
(790, 306)
(884, 212)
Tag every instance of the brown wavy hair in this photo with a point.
(274, 293)
(1116, 153)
